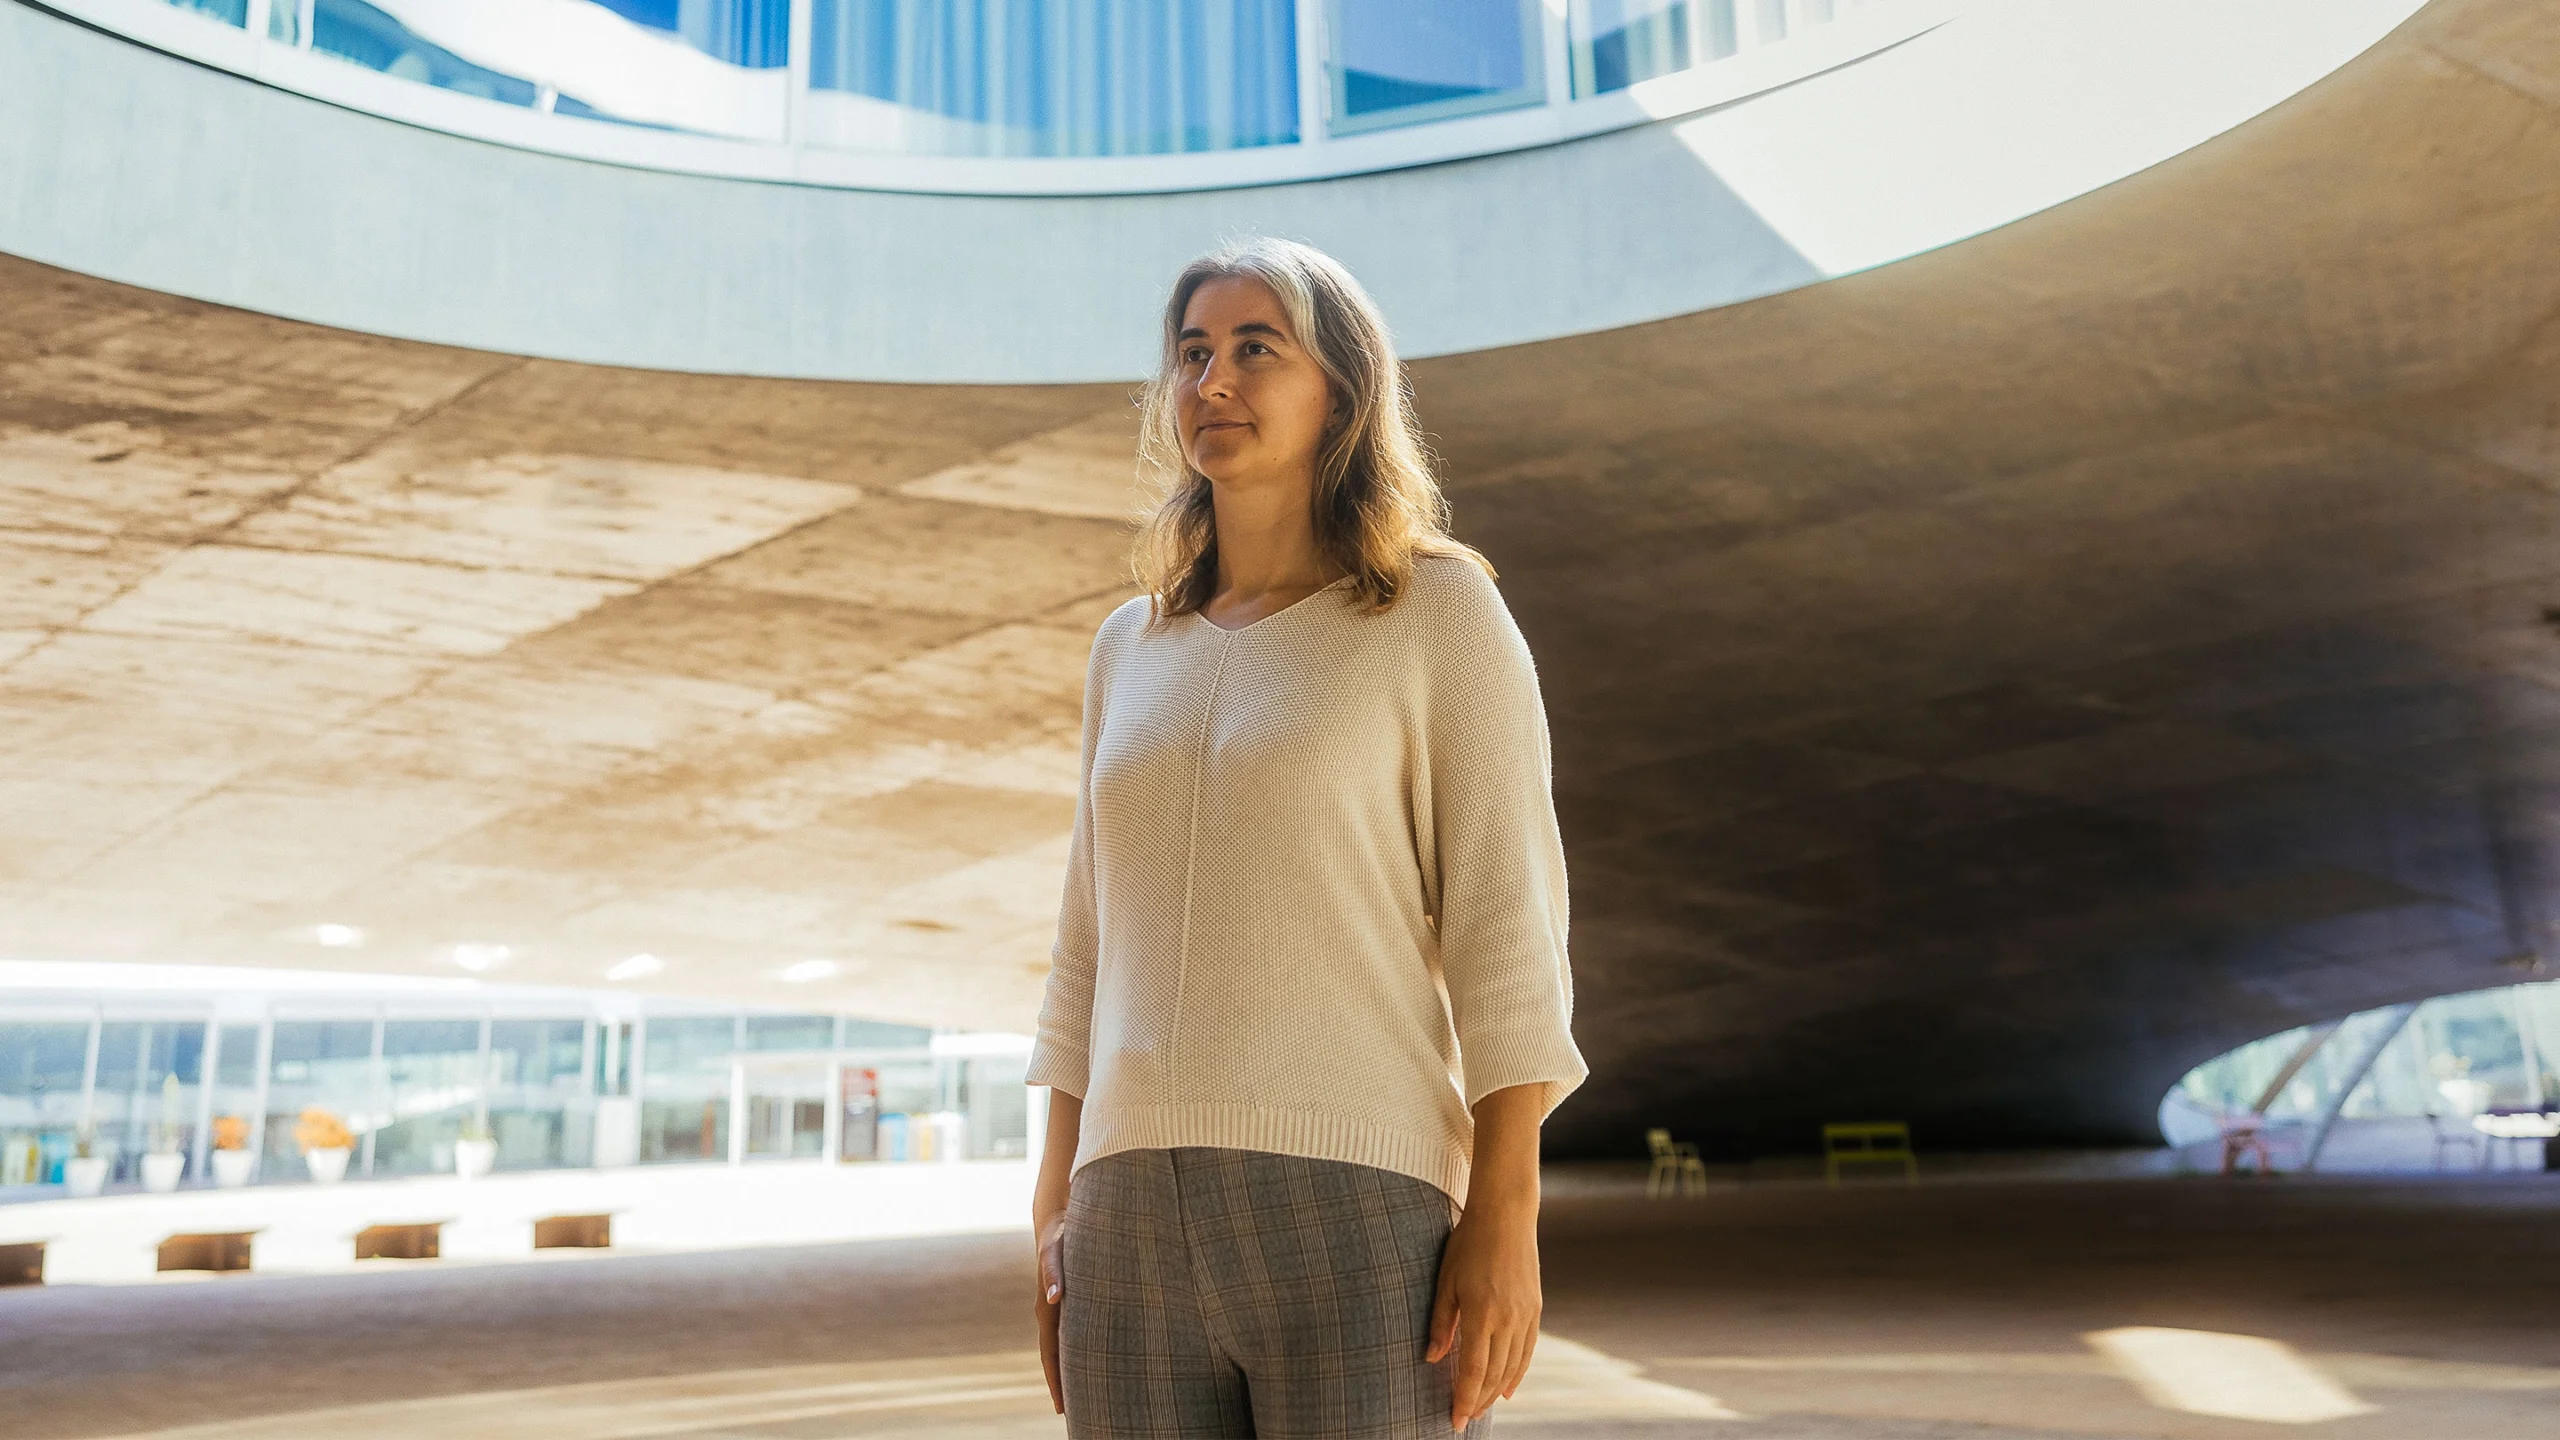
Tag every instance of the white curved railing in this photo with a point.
(576, 78)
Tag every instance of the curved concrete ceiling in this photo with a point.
(1983, 687)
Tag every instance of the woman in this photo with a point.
(1309, 1002)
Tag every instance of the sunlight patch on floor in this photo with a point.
(2238, 1377)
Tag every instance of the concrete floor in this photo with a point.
(1766, 1310)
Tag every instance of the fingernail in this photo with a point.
(1053, 1292)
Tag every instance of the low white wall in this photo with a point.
(115, 1239)
(125, 163)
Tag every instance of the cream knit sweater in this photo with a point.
(1315, 900)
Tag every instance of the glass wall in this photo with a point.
(1398, 62)
(324, 1066)
(434, 1081)
(714, 66)
(408, 1079)
(229, 12)
(236, 1067)
(146, 1091)
(44, 1078)
(1053, 77)
(2454, 1057)
(684, 1095)
(1020, 78)
(539, 1109)
(787, 1107)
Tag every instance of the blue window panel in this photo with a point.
(1066, 77)
(752, 34)
(44, 1059)
(229, 12)
(1723, 29)
(352, 30)
(1399, 62)
(1619, 42)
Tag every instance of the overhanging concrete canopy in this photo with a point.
(1983, 687)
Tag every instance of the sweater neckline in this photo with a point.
(1274, 615)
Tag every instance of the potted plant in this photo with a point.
(85, 1173)
(325, 1143)
(166, 1163)
(232, 1162)
(476, 1153)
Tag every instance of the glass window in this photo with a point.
(1719, 29)
(791, 1032)
(369, 36)
(910, 1094)
(43, 1067)
(998, 1106)
(1397, 62)
(435, 1081)
(715, 66)
(684, 1106)
(1053, 77)
(750, 34)
(229, 12)
(324, 1065)
(1619, 42)
(235, 1086)
(879, 1035)
(237, 1061)
(148, 1071)
(538, 1110)
(538, 1054)
(2474, 1052)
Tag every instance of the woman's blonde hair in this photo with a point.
(1376, 503)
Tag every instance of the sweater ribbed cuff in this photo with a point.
(1522, 1057)
(1059, 1065)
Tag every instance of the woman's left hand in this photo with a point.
(1488, 1306)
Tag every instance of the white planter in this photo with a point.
(161, 1172)
(84, 1175)
(474, 1158)
(232, 1168)
(329, 1166)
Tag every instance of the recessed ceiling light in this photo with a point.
(635, 967)
(478, 957)
(804, 971)
(337, 937)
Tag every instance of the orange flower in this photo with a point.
(320, 1130)
(230, 1132)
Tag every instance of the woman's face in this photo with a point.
(1252, 404)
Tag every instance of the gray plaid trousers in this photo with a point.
(1217, 1293)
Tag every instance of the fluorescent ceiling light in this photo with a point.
(635, 967)
(337, 937)
(478, 957)
(804, 971)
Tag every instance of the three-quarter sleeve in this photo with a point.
(1496, 869)
(1061, 1050)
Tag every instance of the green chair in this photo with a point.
(1675, 1162)
(1878, 1142)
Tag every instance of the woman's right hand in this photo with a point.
(1049, 1230)
(1053, 1289)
